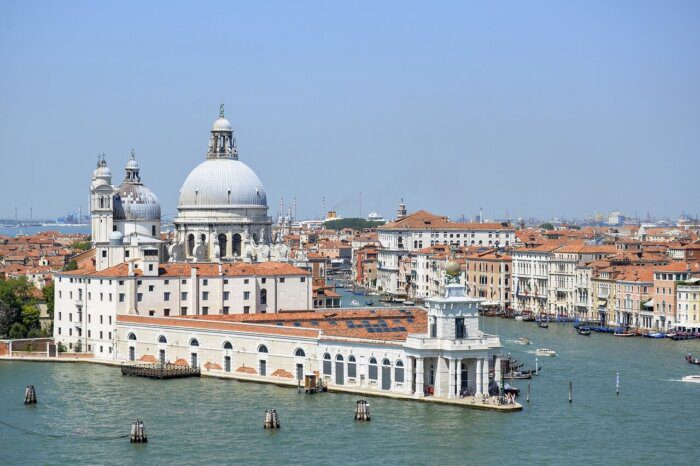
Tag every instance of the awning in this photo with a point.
(649, 303)
(489, 303)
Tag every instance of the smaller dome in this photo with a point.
(221, 124)
(116, 238)
(102, 171)
(136, 202)
(132, 164)
(453, 268)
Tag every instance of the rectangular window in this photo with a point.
(126, 253)
(60, 293)
(263, 280)
(281, 279)
(138, 282)
(226, 308)
(226, 295)
(139, 296)
(184, 282)
(89, 318)
(101, 320)
(121, 282)
(303, 279)
(89, 334)
(205, 295)
(225, 281)
(183, 296)
(166, 282)
(246, 309)
(246, 281)
(205, 282)
(205, 310)
(166, 312)
(59, 316)
(59, 330)
(110, 297)
(166, 296)
(100, 334)
(104, 253)
(110, 320)
(101, 296)
(151, 313)
(70, 317)
(121, 297)
(246, 295)
(150, 287)
(183, 311)
(109, 335)
(460, 330)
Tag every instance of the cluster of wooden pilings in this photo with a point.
(362, 411)
(138, 433)
(30, 395)
(271, 419)
(160, 371)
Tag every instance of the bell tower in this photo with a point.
(101, 202)
(222, 144)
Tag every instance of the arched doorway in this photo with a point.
(223, 242)
(236, 243)
(386, 374)
(190, 245)
(339, 370)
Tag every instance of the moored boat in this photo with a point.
(623, 334)
(655, 335)
(545, 352)
(583, 331)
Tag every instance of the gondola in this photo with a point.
(518, 375)
(542, 324)
(584, 331)
(689, 358)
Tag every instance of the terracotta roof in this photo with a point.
(424, 220)
(203, 269)
(376, 324)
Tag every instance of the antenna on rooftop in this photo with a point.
(360, 204)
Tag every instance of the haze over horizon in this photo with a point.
(530, 109)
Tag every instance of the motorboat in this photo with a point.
(623, 334)
(545, 352)
(655, 335)
(523, 341)
(520, 318)
(408, 303)
(355, 302)
(519, 375)
(691, 378)
(369, 303)
(584, 331)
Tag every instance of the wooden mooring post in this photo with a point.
(571, 391)
(617, 383)
(138, 433)
(362, 411)
(528, 393)
(30, 395)
(271, 419)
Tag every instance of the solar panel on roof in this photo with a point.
(297, 324)
(333, 322)
(396, 321)
(314, 322)
(280, 324)
(410, 320)
(371, 330)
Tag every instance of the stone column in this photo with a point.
(485, 376)
(458, 365)
(479, 374)
(451, 374)
(408, 376)
(497, 372)
(420, 377)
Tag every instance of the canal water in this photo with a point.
(654, 419)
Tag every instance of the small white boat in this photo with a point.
(355, 302)
(545, 352)
(408, 303)
(520, 318)
(691, 378)
(523, 341)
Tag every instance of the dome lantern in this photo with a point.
(222, 144)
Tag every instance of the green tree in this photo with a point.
(36, 333)
(547, 226)
(71, 265)
(81, 245)
(17, 331)
(48, 293)
(30, 316)
(14, 293)
(78, 348)
(61, 347)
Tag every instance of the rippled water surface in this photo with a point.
(654, 420)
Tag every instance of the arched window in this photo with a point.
(194, 342)
(190, 245)
(327, 364)
(398, 372)
(386, 362)
(131, 336)
(262, 349)
(373, 369)
(228, 345)
(236, 243)
(263, 296)
(222, 245)
(202, 238)
(352, 367)
(339, 357)
(162, 339)
(299, 353)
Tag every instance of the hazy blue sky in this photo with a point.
(534, 108)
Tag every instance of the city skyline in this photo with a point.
(333, 101)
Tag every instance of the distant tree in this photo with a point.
(354, 223)
(61, 347)
(71, 265)
(547, 226)
(81, 245)
(78, 348)
(36, 333)
(14, 293)
(17, 331)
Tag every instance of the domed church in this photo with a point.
(222, 210)
(125, 219)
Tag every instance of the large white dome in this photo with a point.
(222, 183)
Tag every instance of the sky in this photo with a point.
(525, 109)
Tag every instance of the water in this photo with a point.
(192, 421)
(14, 231)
